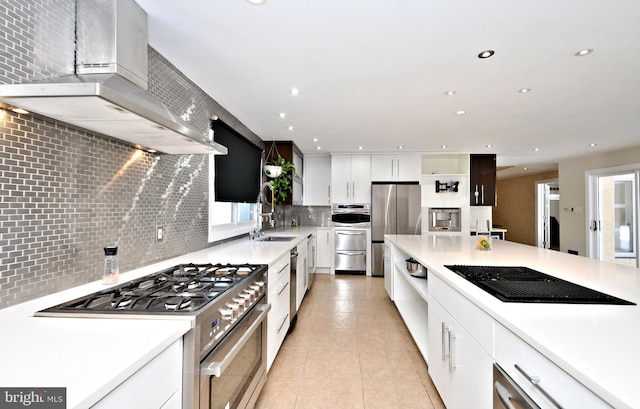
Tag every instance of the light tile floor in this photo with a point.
(349, 349)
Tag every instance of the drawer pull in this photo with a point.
(286, 317)
(283, 267)
(283, 287)
(535, 381)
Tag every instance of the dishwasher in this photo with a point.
(293, 286)
(507, 394)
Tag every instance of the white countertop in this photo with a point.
(92, 356)
(599, 345)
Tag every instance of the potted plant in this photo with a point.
(283, 183)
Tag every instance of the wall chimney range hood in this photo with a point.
(107, 92)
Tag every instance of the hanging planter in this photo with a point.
(271, 168)
(272, 171)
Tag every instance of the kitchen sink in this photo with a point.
(276, 238)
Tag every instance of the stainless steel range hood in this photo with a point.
(107, 92)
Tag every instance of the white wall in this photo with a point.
(572, 178)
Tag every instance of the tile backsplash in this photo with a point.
(66, 193)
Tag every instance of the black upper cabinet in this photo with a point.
(483, 180)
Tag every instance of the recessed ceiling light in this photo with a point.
(294, 91)
(315, 139)
(488, 146)
(593, 144)
(444, 146)
(584, 52)
(283, 115)
(360, 147)
(257, 2)
(524, 90)
(290, 128)
(318, 147)
(536, 149)
(461, 112)
(486, 54)
(400, 147)
(452, 92)
(525, 168)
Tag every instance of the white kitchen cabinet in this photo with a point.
(158, 384)
(387, 267)
(278, 296)
(323, 250)
(301, 276)
(351, 179)
(523, 364)
(317, 181)
(396, 168)
(459, 367)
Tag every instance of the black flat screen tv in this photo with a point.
(237, 174)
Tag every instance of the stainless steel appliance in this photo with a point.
(507, 394)
(395, 209)
(351, 226)
(523, 284)
(224, 358)
(444, 219)
(106, 90)
(293, 288)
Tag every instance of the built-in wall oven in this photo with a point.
(351, 225)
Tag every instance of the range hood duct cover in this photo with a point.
(107, 92)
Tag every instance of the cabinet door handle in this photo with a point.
(476, 194)
(282, 269)
(445, 330)
(392, 169)
(452, 338)
(329, 194)
(353, 190)
(535, 381)
(283, 287)
(347, 190)
(482, 188)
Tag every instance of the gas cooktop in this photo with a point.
(182, 289)
(525, 285)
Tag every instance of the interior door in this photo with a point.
(613, 222)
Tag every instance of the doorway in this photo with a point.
(548, 214)
(613, 212)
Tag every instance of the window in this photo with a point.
(228, 219)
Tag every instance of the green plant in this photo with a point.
(282, 184)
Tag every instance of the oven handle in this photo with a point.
(216, 368)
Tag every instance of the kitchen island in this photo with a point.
(96, 358)
(595, 347)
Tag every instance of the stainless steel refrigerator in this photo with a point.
(395, 209)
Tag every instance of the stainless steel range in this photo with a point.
(228, 306)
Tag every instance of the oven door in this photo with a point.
(233, 374)
(507, 394)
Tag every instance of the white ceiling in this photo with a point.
(375, 73)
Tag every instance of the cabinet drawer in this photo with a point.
(279, 294)
(475, 321)
(513, 353)
(277, 327)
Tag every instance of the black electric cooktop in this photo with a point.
(525, 285)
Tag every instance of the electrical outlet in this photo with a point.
(159, 234)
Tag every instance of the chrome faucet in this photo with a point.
(256, 233)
